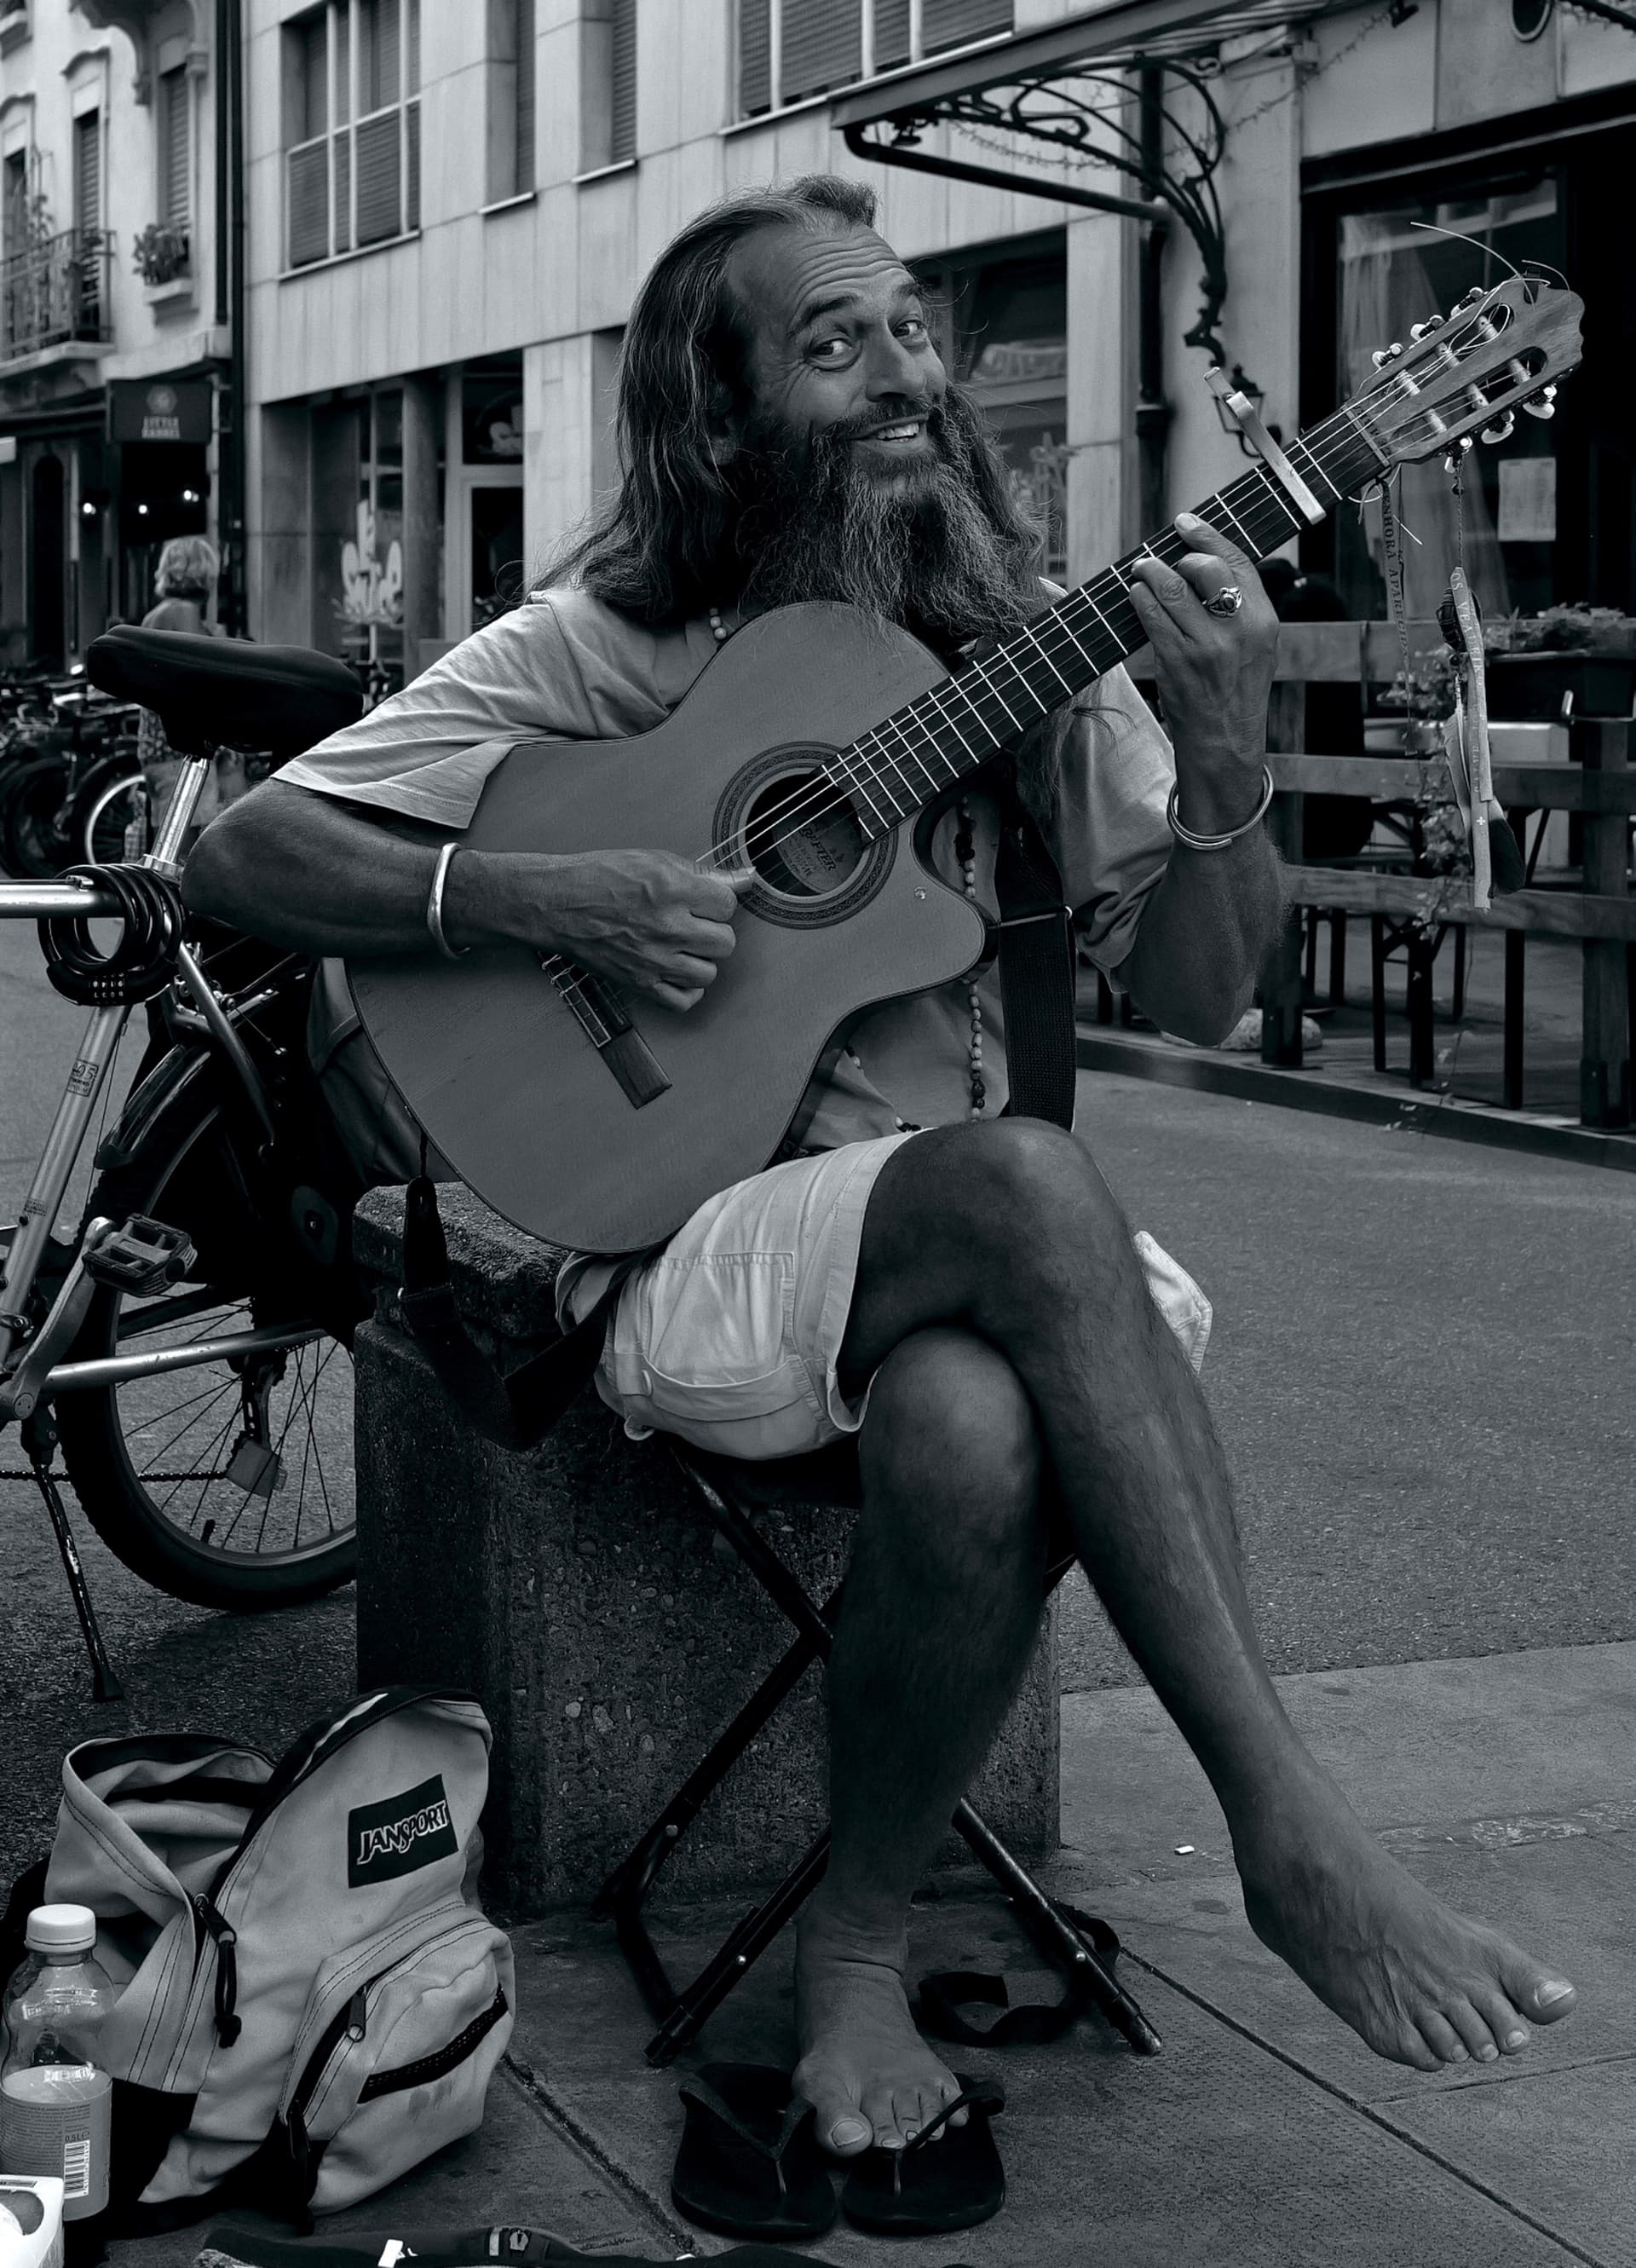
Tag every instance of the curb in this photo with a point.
(1204, 1073)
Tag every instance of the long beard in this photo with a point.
(919, 546)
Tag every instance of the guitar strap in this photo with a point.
(1035, 954)
(1036, 962)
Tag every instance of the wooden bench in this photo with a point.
(1599, 783)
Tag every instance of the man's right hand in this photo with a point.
(648, 921)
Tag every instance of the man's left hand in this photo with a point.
(1215, 673)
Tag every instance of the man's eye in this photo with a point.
(831, 350)
(914, 326)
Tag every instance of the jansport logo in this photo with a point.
(408, 1831)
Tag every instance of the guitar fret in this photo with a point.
(935, 701)
(1015, 720)
(1238, 527)
(918, 757)
(1038, 646)
(859, 779)
(896, 767)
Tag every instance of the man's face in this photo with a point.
(838, 344)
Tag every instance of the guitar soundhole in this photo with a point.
(815, 866)
(804, 840)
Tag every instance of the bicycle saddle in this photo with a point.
(276, 698)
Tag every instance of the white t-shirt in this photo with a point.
(566, 666)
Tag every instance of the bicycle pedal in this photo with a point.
(144, 1256)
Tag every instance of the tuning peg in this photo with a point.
(1474, 297)
(1382, 356)
(1543, 404)
(1461, 449)
(1502, 427)
(1418, 331)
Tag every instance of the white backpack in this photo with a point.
(311, 2000)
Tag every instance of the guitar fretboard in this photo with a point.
(897, 768)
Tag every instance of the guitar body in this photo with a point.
(504, 1076)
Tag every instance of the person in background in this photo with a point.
(184, 584)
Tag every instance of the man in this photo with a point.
(969, 1294)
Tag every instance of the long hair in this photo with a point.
(655, 551)
(188, 568)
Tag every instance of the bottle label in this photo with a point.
(55, 2119)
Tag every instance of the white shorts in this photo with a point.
(730, 1337)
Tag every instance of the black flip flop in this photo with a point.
(748, 2163)
(931, 2186)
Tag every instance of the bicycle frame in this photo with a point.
(37, 900)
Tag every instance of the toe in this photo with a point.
(1550, 1999)
(837, 2121)
(1538, 1995)
(879, 2106)
(1443, 2039)
(1475, 2035)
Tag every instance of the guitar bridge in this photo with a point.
(602, 1017)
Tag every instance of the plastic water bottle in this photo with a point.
(55, 2095)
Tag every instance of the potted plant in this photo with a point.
(160, 253)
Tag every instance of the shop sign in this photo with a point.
(163, 409)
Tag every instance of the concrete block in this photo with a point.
(578, 1591)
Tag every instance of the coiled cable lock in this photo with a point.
(141, 963)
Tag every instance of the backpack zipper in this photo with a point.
(441, 2062)
(229, 2023)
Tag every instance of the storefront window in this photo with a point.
(357, 498)
(1394, 272)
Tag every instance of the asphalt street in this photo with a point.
(1420, 1366)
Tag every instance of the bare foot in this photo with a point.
(868, 2075)
(1418, 1981)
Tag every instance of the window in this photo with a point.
(88, 170)
(803, 48)
(352, 127)
(607, 84)
(511, 98)
(175, 149)
(14, 204)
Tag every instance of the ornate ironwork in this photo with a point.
(1095, 113)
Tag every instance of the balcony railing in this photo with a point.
(55, 293)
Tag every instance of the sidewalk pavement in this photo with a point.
(1266, 2132)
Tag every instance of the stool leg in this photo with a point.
(1104, 999)
(1337, 959)
(1459, 972)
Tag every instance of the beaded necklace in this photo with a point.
(965, 851)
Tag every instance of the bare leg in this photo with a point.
(942, 1608)
(1008, 1231)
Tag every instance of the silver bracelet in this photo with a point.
(434, 906)
(1220, 842)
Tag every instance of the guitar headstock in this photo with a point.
(1469, 370)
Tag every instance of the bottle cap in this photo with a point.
(61, 1929)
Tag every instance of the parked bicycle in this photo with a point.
(188, 1343)
(71, 755)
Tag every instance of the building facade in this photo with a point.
(114, 336)
(448, 210)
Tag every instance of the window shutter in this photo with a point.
(891, 33)
(523, 178)
(755, 56)
(950, 23)
(309, 203)
(174, 149)
(412, 163)
(379, 152)
(622, 129)
(88, 169)
(823, 46)
(343, 191)
(382, 60)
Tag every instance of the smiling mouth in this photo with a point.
(908, 430)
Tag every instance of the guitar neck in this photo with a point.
(915, 755)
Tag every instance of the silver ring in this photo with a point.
(1227, 600)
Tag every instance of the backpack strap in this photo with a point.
(1037, 966)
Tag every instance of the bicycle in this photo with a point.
(82, 746)
(214, 1238)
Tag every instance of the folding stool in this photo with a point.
(729, 1490)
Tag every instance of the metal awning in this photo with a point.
(1126, 86)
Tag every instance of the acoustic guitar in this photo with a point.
(814, 747)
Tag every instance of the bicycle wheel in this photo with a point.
(33, 841)
(112, 816)
(228, 1484)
